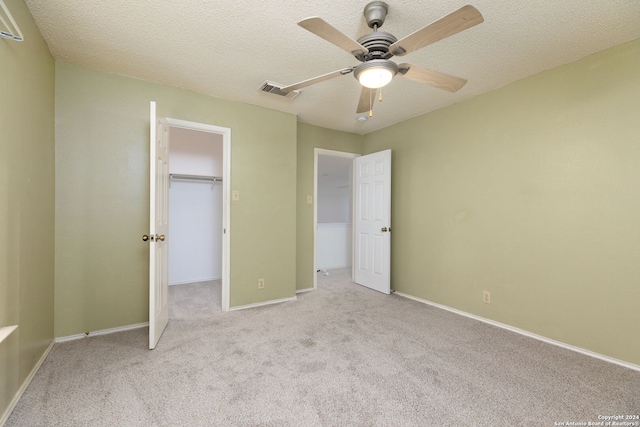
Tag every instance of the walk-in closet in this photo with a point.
(195, 221)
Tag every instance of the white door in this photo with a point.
(372, 224)
(158, 219)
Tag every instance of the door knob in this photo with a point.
(384, 229)
(157, 238)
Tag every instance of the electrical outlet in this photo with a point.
(309, 199)
(260, 283)
(486, 297)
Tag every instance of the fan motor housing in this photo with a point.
(377, 43)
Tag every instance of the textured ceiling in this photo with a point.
(227, 48)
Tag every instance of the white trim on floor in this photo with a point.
(260, 304)
(526, 333)
(24, 386)
(333, 268)
(187, 282)
(301, 291)
(102, 332)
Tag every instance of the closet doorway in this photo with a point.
(333, 214)
(198, 220)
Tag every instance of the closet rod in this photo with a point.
(183, 177)
(11, 29)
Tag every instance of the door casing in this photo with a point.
(316, 153)
(226, 197)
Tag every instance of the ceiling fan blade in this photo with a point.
(460, 20)
(315, 80)
(366, 102)
(432, 78)
(323, 29)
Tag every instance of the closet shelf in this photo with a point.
(183, 177)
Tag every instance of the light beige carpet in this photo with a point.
(339, 356)
(194, 300)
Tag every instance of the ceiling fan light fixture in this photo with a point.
(376, 73)
(375, 78)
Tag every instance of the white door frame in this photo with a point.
(316, 153)
(226, 194)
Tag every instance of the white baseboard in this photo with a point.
(24, 385)
(186, 282)
(260, 304)
(102, 332)
(301, 291)
(334, 268)
(526, 333)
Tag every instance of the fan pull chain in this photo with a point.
(370, 103)
(380, 97)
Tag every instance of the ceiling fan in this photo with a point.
(375, 49)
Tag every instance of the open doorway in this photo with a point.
(195, 222)
(333, 218)
(199, 215)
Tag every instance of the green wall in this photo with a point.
(26, 201)
(532, 193)
(102, 195)
(310, 137)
